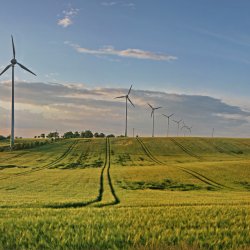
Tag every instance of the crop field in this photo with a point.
(126, 193)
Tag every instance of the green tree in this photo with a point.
(88, 134)
(68, 135)
(76, 134)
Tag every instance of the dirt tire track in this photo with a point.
(184, 149)
(63, 156)
(191, 172)
(147, 152)
(116, 199)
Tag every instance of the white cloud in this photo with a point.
(130, 53)
(65, 22)
(119, 3)
(108, 3)
(68, 16)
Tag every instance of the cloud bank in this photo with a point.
(44, 107)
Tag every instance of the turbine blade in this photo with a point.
(150, 106)
(165, 115)
(13, 47)
(131, 102)
(120, 96)
(23, 67)
(6, 69)
(171, 115)
(130, 89)
(158, 108)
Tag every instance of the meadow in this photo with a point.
(126, 193)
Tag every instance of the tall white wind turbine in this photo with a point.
(178, 126)
(127, 99)
(153, 115)
(168, 117)
(13, 63)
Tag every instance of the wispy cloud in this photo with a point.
(129, 53)
(119, 3)
(109, 3)
(67, 20)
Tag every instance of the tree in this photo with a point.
(101, 135)
(42, 135)
(96, 135)
(2, 137)
(111, 135)
(68, 135)
(76, 134)
(88, 134)
(53, 135)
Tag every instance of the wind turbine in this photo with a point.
(127, 99)
(13, 63)
(189, 129)
(178, 124)
(153, 114)
(213, 132)
(168, 116)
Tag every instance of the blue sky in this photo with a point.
(183, 48)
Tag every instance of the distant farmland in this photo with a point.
(127, 193)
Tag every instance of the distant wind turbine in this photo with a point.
(127, 99)
(153, 115)
(13, 63)
(189, 129)
(178, 124)
(168, 116)
(213, 132)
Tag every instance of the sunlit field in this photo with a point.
(126, 193)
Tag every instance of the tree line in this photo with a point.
(76, 134)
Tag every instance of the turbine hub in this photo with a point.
(13, 61)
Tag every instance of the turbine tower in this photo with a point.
(127, 99)
(178, 124)
(13, 63)
(168, 116)
(153, 115)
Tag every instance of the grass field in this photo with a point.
(127, 193)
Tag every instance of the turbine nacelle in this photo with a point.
(13, 61)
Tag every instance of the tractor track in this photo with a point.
(63, 156)
(187, 151)
(97, 201)
(221, 149)
(188, 171)
(106, 168)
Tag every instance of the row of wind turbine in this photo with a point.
(152, 116)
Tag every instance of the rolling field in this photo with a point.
(127, 193)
